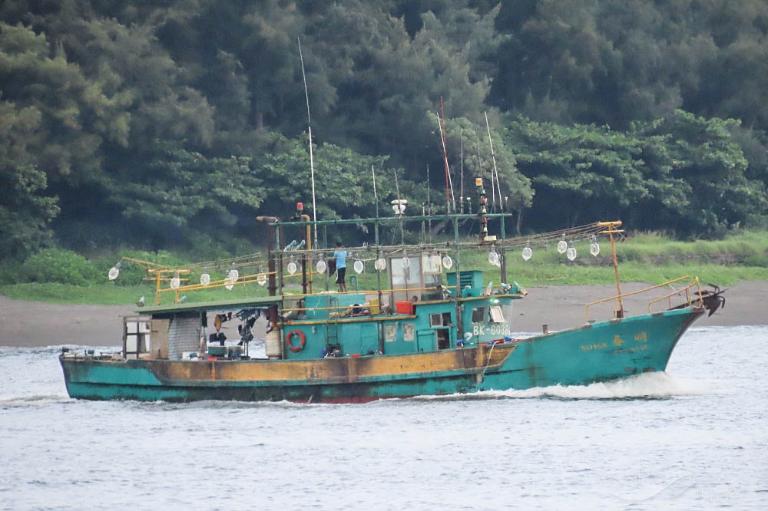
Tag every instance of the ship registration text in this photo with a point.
(491, 329)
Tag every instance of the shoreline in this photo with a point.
(34, 324)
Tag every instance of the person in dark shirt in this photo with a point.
(218, 335)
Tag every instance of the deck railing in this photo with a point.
(690, 294)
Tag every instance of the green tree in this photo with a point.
(704, 154)
(25, 209)
(181, 195)
(688, 171)
(343, 178)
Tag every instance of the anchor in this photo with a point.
(712, 299)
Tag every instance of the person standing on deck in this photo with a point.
(341, 266)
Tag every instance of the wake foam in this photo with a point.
(656, 385)
(32, 401)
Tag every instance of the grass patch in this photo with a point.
(749, 248)
(646, 257)
(549, 274)
(106, 294)
(109, 294)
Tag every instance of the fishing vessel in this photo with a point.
(411, 320)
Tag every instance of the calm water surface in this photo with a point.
(693, 438)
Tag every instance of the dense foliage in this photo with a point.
(164, 123)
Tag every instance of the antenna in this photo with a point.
(429, 204)
(400, 203)
(461, 166)
(375, 195)
(448, 182)
(495, 170)
(397, 186)
(309, 135)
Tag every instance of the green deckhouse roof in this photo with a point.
(206, 306)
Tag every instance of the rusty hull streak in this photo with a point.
(333, 370)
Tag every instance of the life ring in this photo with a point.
(289, 340)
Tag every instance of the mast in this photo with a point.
(309, 135)
(378, 253)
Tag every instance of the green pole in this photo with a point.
(503, 253)
(457, 294)
(278, 229)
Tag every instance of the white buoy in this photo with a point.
(380, 264)
(562, 247)
(447, 262)
(594, 248)
(358, 266)
(321, 266)
(232, 277)
(570, 253)
(261, 279)
(205, 279)
(527, 253)
(493, 257)
(292, 268)
(114, 272)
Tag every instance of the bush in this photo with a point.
(9, 272)
(58, 265)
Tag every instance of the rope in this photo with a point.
(487, 363)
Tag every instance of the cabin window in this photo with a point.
(497, 316)
(441, 319)
(432, 269)
(479, 314)
(136, 336)
(431, 264)
(417, 275)
(405, 271)
(405, 274)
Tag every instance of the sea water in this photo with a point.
(695, 437)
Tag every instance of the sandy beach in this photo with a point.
(560, 307)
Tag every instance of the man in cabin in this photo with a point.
(341, 266)
(296, 312)
(218, 336)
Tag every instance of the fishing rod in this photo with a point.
(448, 181)
(495, 170)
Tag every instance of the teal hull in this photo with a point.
(598, 352)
